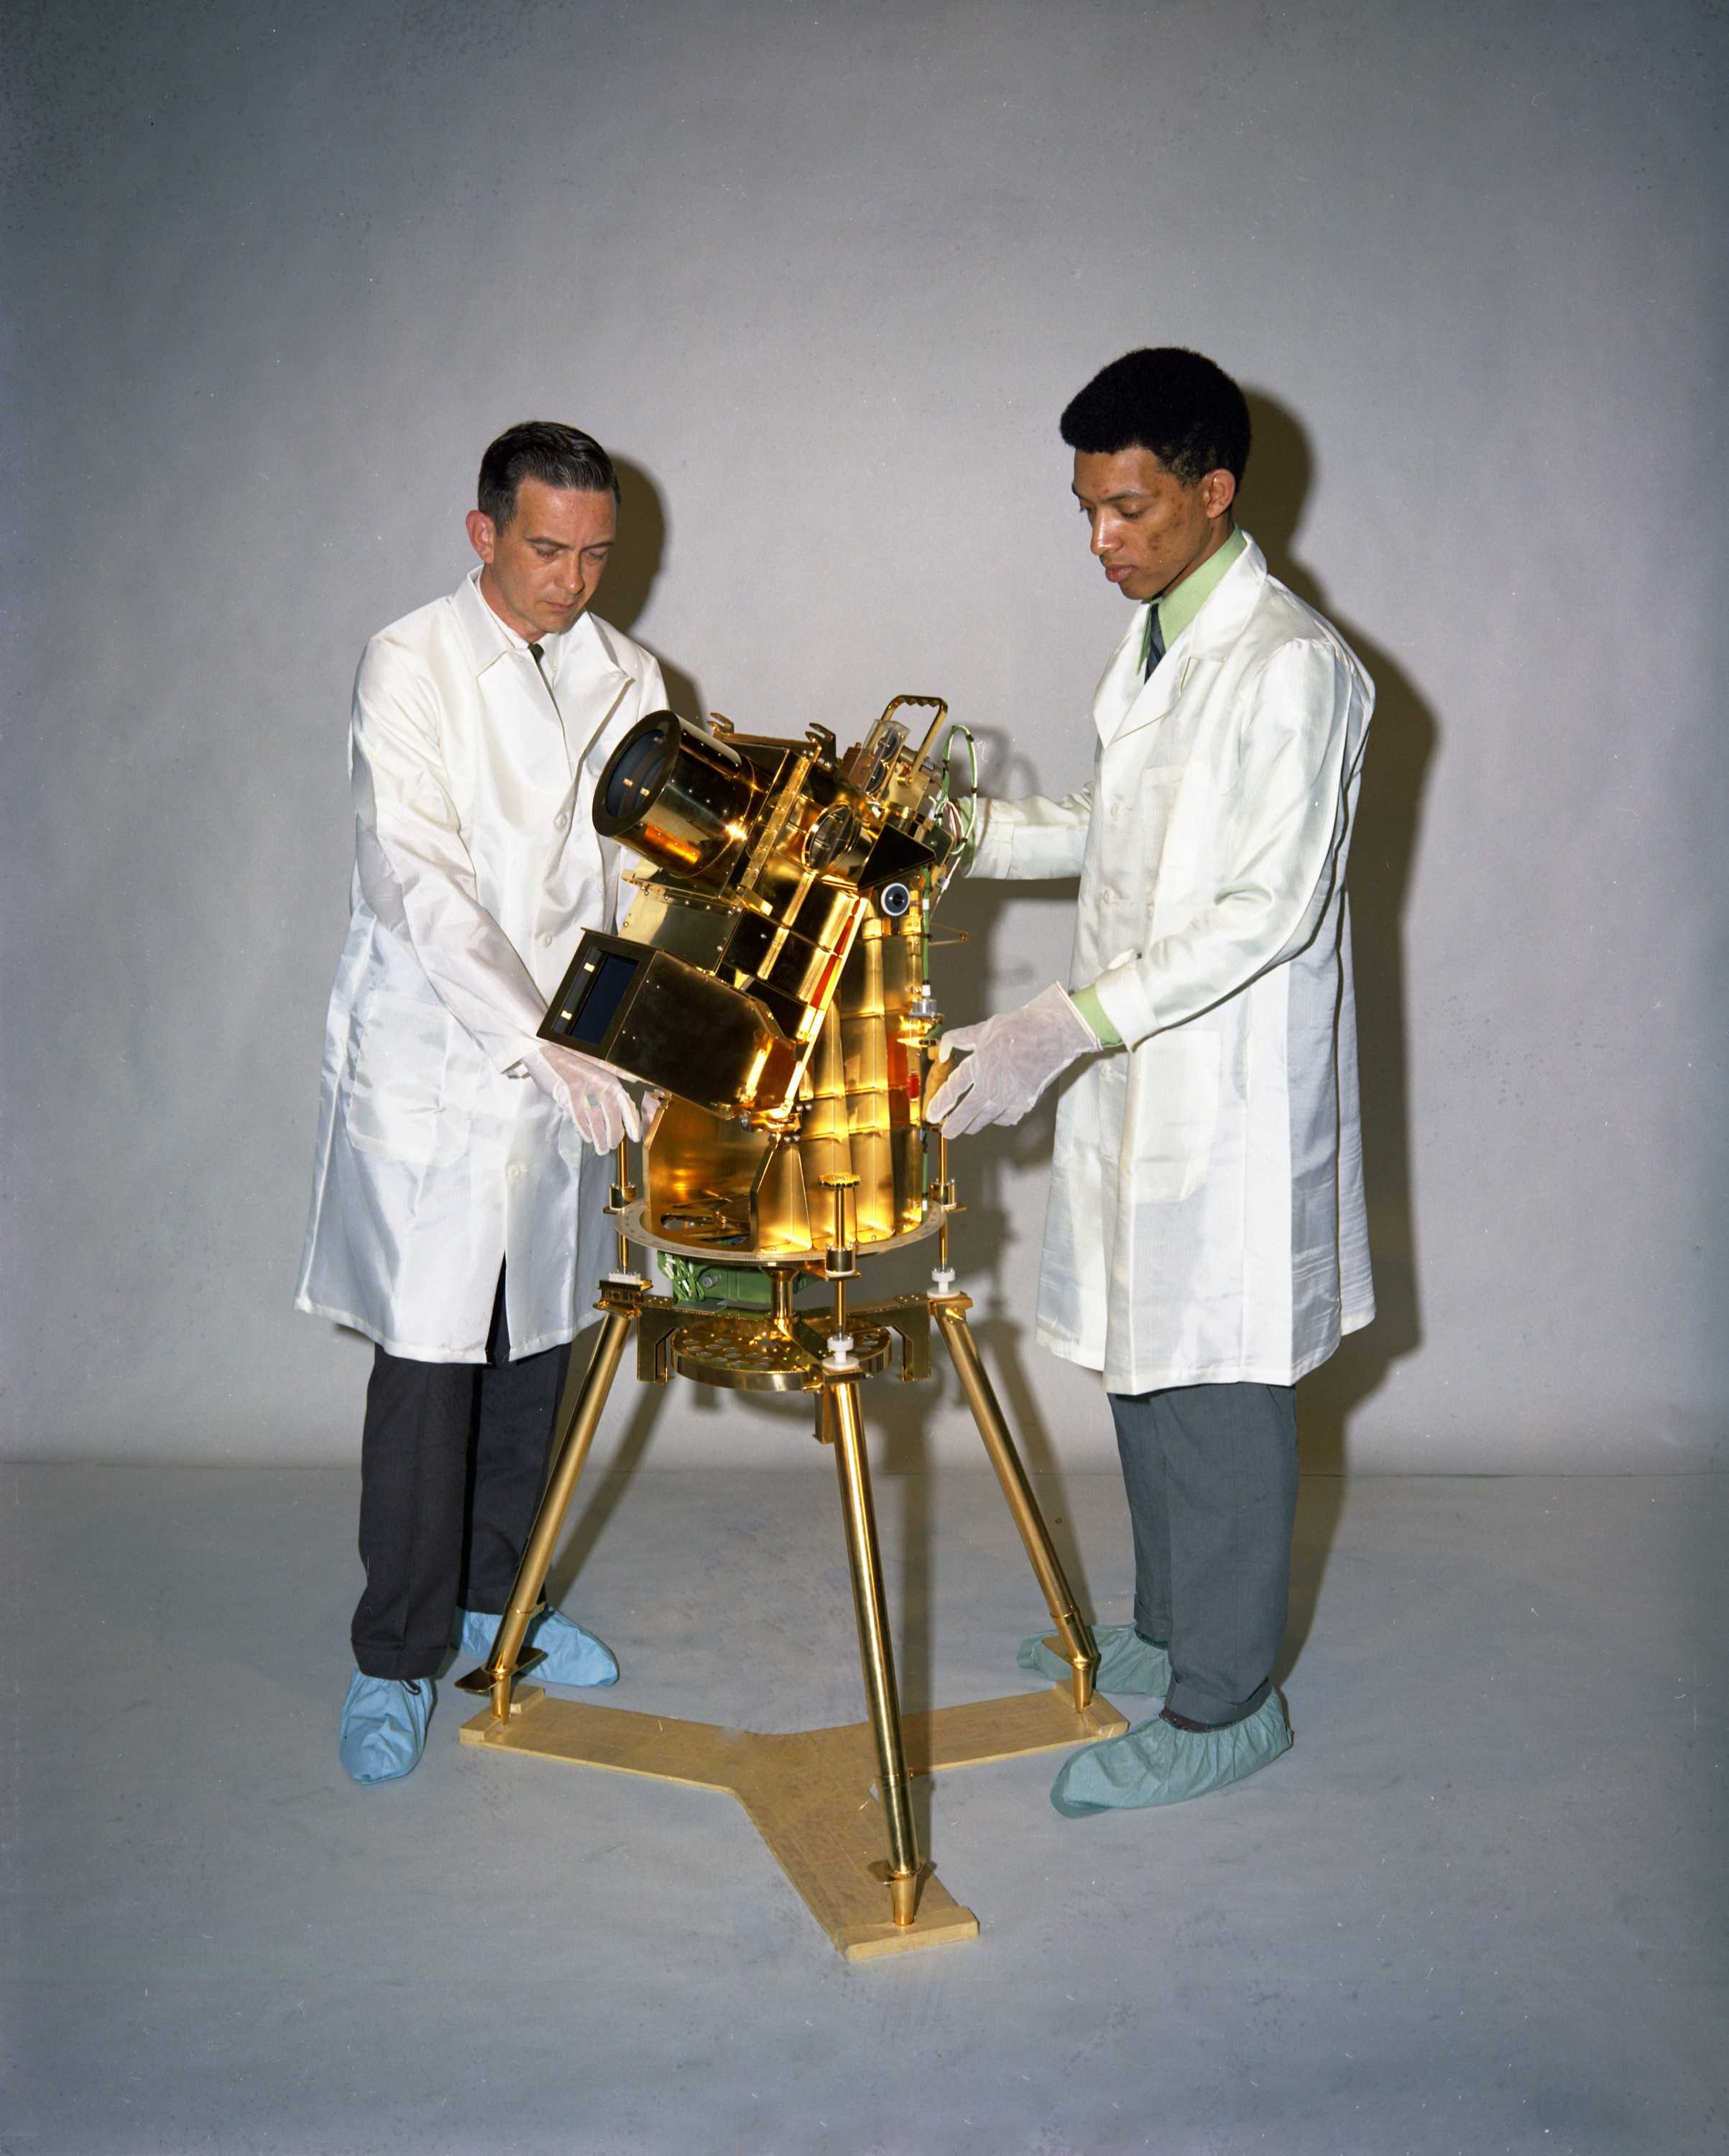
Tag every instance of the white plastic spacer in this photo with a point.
(839, 1356)
(942, 1279)
(625, 1280)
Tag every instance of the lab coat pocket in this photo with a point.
(1154, 776)
(1172, 1114)
(399, 1102)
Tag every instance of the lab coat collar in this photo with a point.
(1224, 615)
(490, 639)
(581, 665)
(591, 681)
(486, 637)
(1125, 702)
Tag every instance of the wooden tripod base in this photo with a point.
(808, 1793)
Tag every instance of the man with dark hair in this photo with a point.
(1205, 1244)
(457, 1191)
(560, 457)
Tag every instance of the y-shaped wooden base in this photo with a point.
(808, 1793)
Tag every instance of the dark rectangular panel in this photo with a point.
(612, 977)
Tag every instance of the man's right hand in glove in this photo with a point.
(591, 1094)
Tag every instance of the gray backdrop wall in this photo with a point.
(823, 276)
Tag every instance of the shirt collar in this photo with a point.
(1178, 606)
(491, 638)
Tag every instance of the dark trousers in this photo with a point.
(453, 1458)
(1211, 1474)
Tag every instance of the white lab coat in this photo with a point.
(1205, 1221)
(477, 867)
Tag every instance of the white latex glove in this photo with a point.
(1014, 1058)
(591, 1094)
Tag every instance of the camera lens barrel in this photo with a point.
(677, 796)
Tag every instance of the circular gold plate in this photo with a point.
(749, 1353)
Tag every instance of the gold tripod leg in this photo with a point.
(579, 1413)
(1078, 1642)
(902, 1873)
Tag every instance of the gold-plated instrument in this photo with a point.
(771, 980)
(770, 977)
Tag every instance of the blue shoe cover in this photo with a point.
(1158, 1764)
(1127, 1663)
(573, 1656)
(384, 1726)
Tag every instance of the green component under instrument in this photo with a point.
(695, 1280)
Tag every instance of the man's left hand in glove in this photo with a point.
(591, 1094)
(1013, 1058)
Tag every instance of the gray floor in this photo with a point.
(1478, 1907)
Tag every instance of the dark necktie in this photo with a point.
(1155, 642)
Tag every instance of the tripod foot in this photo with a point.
(484, 1680)
(905, 1888)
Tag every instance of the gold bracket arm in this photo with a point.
(927, 747)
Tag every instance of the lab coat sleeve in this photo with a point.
(1032, 837)
(416, 872)
(1287, 821)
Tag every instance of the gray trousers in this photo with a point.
(1211, 1474)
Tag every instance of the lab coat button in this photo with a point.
(545, 942)
(562, 819)
(515, 1171)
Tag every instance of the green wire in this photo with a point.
(966, 734)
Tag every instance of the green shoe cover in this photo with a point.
(1127, 1662)
(1158, 1764)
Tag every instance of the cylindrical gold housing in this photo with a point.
(714, 1185)
(676, 796)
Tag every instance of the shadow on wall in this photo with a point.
(1384, 846)
(635, 561)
